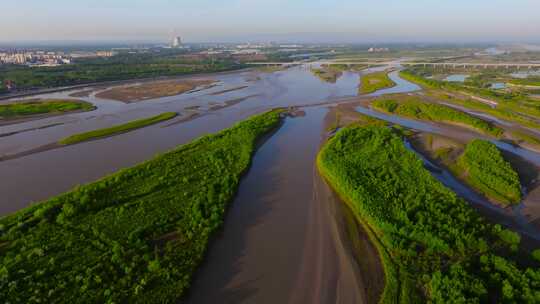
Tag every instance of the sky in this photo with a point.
(272, 20)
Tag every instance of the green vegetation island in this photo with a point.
(433, 245)
(105, 132)
(484, 168)
(413, 107)
(21, 109)
(136, 236)
(477, 163)
(373, 82)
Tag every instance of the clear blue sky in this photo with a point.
(239, 20)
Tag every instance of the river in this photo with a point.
(284, 238)
(49, 173)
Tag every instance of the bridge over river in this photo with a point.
(519, 65)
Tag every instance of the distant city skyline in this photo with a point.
(272, 20)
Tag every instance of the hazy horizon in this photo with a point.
(323, 21)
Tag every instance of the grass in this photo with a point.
(372, 82)
(485, 169)
(136, 236)
(415, 108)
(132, 125)
(20, 109)
(434, 247)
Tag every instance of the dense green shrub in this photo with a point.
(434, 247)
(136, 236)
(487, 171)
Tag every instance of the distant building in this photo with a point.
(177, 42)
(247, 52)
(378, 50)
(105, 53)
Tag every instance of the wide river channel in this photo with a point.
(283, 240)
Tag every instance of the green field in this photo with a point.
(20, 109)
(417, 109)
(485, 169)
(136, 236)
(372, 82)
(132, 125)
(434, 247)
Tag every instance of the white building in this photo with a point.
(177, 42)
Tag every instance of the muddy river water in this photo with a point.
(48, 173)
(283, 240)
